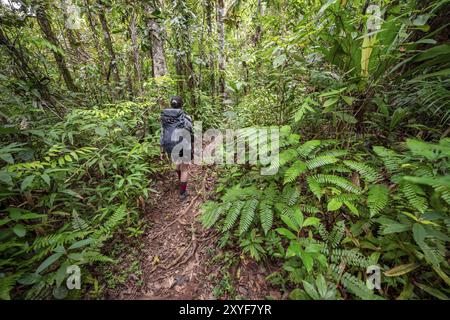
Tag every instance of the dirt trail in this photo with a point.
(177, 251)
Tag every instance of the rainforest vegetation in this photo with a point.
(360, 91)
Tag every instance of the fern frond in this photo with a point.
(78, 223)
(309, 209)
(6, 285)
(377, 199)
(347, 197)
(364, 170)
(320, 162)
(336, 234)
(266, 216)
(233, 214)
(353, 284)
(51, 241)
(286, 210)
(428, 150)
(294, 171)
(415, 196)
(337, 181)
(105, 230)
(335, 168)
(349, 257)
(211, 213)
(287, 156)
(290, 195)
(309, 146)
(391, 159)
(323, 232)
(314, 186)
(271, 192)
(332, 153)
(247, 215)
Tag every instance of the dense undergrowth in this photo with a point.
(69, 188)
(359, 90)
(363, 174)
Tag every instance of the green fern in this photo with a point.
(336, 234)
(233, 215)
(391, 159)
(305, 149)
(287, 156)
(309, 209)
(349, 257)
(320, 162)
(415, 196)
(105, 231)
(367, 172)
(314, 186)
(6, 285)
(247, 215)
(337, 181)
(78, 223)
(332, 153)
(377, 199)
(266, 216)
(428, 150)
(353, 284)
(211, 212)
(294, 171)
(290, 195)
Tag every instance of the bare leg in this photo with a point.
(183, 180)
(184, 167)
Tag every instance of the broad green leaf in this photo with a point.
(321, 285)
(5, 177)
(29, 278)
(27, 182)
(311, 221)
(81, 243)
(7, 157)
(432, 291)
(20, 230)
(46, 178)
(401, 270)
(310, 290)
(293, 250)
(334, 205)
(307, 260)
(290, 222)
(419, 233)
(48, 262)
(285, 232)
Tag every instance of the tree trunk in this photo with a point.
(93, 29)
(114, 69)
(46, 28)
(135, 50)
(156, 31)
(221, 40)
(258, 32)
(211, 63)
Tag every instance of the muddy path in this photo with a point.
(179, 259)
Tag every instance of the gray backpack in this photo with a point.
(172, 119)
